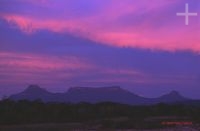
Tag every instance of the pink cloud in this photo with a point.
(42, 62)
(31, 68)
(107, 25)
(126, 73)
(16, 68)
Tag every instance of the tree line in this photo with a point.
(106, 113)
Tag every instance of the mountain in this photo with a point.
(173, 96)
(34, 92)
(94, 95)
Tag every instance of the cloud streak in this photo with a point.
(16, 67)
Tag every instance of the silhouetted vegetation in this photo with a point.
(106, 115)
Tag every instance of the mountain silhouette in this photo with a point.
(172, 96)
(34, 92)
(94, 95)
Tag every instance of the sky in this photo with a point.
(140, 45)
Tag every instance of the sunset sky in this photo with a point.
(140, 45)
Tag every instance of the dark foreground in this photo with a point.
(68, 127)
(38, 116)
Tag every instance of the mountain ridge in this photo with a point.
(95, 95)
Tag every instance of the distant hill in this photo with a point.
(95, 95)
(34, 92)
(172, 96)
(111, 94)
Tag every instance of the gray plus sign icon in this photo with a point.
(187, 14)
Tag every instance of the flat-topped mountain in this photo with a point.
(94, 95)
